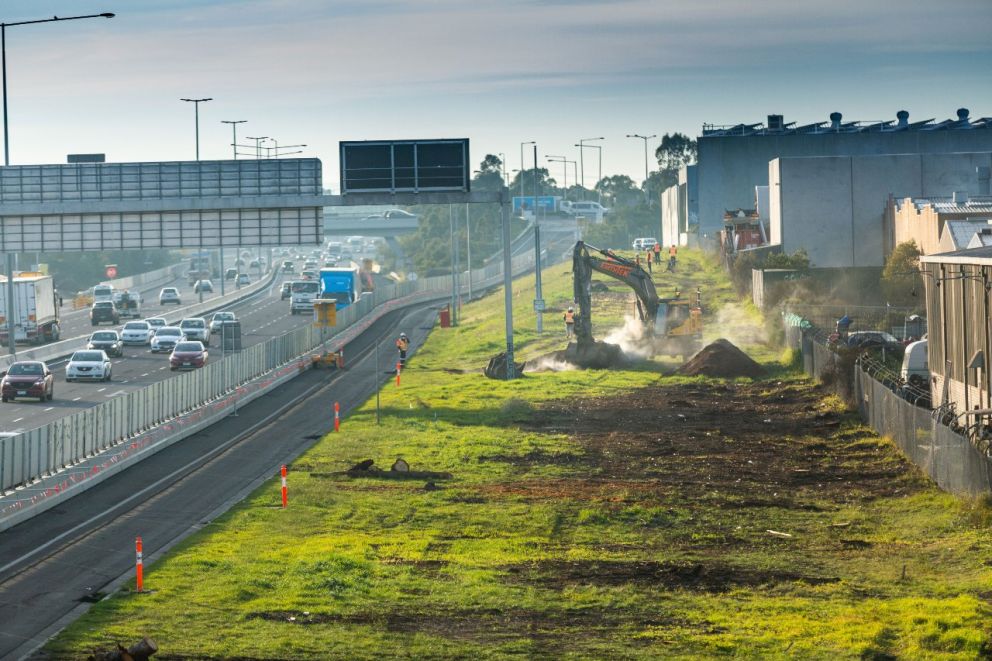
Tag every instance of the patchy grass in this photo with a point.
(591, 514)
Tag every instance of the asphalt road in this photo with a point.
(262, 317)
(52, 564)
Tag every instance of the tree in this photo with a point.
(676, 150)
(620, 189)
(901, 280)
(546, 184)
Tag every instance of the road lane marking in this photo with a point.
(76, 399)
(145, 374)
(50, 408)
(18, 419)
(101, 389)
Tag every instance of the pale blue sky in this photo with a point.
(497, 72)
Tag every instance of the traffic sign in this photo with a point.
(111, 271)
(538, 305)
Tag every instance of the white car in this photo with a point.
(196, 328)
(166, 339)
(137, 332)
(218, 320)
(156, 323)
(644, 243)
(88, 365)
(169, 295)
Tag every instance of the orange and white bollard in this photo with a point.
(139, 568)
(285, 496)
(399, 368)
(337, 417)
(341, 358)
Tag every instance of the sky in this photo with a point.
(499, 72)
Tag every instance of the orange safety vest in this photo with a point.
(649, 257)
(672, 251)
(657, 248)
(402, 344)
(569, 317)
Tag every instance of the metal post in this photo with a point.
(538, 302)
(11, 311)
(223, 273)
(454, 276)
(468, 249)
(196, 115)
(6, 139)
(376, 381)
(507, 283)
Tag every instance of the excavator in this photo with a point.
(675, 319)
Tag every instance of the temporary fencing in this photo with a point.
(57, 446)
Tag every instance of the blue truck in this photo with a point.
(342, 284)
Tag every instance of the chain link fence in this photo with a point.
(956, 462)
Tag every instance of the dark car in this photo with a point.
(188, 355)
(104, 312)
(109, 341)
(230, 274)
(873, 339)
(28, 378)
(286, 291)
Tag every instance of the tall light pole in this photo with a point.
(538, 293)
(258, 150)
(599, 150)
(277, 148)
(196, 103)
(582, 161)
(6, 147)
(530, 142)
(556, 158)
(645, 138)
(234, 128)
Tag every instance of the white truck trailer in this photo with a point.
(35, 310)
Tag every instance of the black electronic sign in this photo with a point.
(404, 166)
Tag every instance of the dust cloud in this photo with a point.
(548, 364)
(735, 324)
(632, 338)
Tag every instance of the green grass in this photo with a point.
(565, 534)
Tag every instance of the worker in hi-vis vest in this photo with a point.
(569, 321)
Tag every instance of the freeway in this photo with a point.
(262, 317)
(52, 564)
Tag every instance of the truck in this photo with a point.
(103, 292)
(35, 310)
(341, 283)
(301, 295)
(129, 305)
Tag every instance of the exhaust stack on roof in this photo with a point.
(903, 117)
(835, 118)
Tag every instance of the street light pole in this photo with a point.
(234, 128)
(6, 150)
(645, 138)
(258, 150)
(196, 103)
(555, 159)
(502, 166)
(538, 293)
(582, 161)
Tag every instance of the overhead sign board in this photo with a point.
(404, 166)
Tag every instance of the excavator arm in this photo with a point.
(615, 266)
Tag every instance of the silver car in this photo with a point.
(89, 365)
(196, 328)
(218, 320)
(166, 339)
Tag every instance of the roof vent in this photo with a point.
(835, 118)
(903, 117)
(959, 197)
(776, 122)
(962, 114)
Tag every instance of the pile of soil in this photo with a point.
(721, 359)
(594, 356)
(496, 369)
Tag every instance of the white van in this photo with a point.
(645, 243)
(103, 293)
(915, 366)
(588, 209)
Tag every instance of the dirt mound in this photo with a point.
(496, 369)
(721, 358)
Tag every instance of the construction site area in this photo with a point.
(689, 493)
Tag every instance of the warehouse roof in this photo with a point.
(776, 125)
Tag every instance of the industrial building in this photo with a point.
(833, 207)
(936, 224)
(732, 160)
(959, 294)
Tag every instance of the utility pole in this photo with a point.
(538, 300)
(234, 148)
(582, 161)
(507, 279)
(530, 142)
(454, 274)
(468, 249)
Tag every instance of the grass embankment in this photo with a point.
(595, 514)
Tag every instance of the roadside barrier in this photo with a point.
(55, 448)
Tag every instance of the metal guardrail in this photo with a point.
(28, 456)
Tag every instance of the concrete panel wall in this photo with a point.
(729, 167)
(670, 216)
(834, 207)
